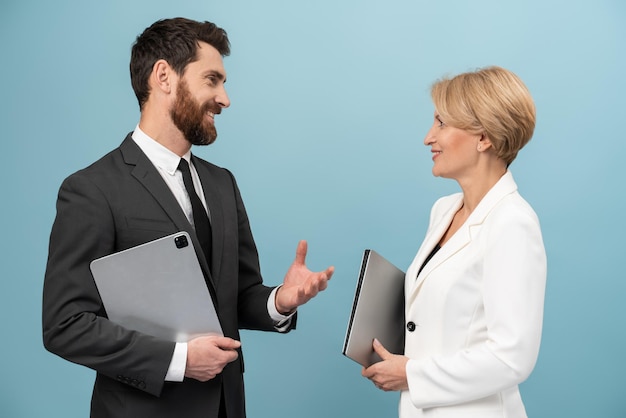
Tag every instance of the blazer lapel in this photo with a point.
(145, 172)
(434, 236)
(461, 238)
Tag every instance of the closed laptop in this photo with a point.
(377, 310)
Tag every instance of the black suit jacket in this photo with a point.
(119, 202)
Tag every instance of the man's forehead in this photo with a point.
(209, 61)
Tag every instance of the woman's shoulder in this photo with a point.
(445, 203)
(513, 209)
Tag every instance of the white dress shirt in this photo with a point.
(166, 163)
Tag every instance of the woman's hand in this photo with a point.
(390, 373)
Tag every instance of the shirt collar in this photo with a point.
(159, 155)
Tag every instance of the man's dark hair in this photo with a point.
(174, 40)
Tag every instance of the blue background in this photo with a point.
(330, 105)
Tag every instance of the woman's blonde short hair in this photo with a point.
(491, 101)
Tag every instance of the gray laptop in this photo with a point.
(377, 311)
(157, 288)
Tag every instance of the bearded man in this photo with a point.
(136, 194)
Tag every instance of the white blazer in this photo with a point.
(476, 309)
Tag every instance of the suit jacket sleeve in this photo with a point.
(74, 321)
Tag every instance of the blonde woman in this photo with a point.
(474, 293)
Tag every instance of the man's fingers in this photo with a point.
(301, 251)
(226, 343)
(329, 272)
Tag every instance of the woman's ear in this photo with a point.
(484, 143)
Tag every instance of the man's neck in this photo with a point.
(165, 134)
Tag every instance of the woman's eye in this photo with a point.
(441, 124)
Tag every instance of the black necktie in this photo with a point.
(200, 218)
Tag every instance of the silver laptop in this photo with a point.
(157, 288)
(377, 311)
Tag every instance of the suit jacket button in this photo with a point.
(410, 326)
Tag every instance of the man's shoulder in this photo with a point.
(205, 163)
(103, 167)
(103, 163)
(214, 169)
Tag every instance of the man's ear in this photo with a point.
(162, 77)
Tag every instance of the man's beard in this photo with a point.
(191, 118)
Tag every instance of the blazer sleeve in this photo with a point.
(513, 285)
(75, 326)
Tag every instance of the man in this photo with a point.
(136, 194)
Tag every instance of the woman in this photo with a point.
(474, 293)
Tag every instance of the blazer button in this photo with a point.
(410, 326)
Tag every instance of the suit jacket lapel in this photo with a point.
(145, 172)
(216, 215)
